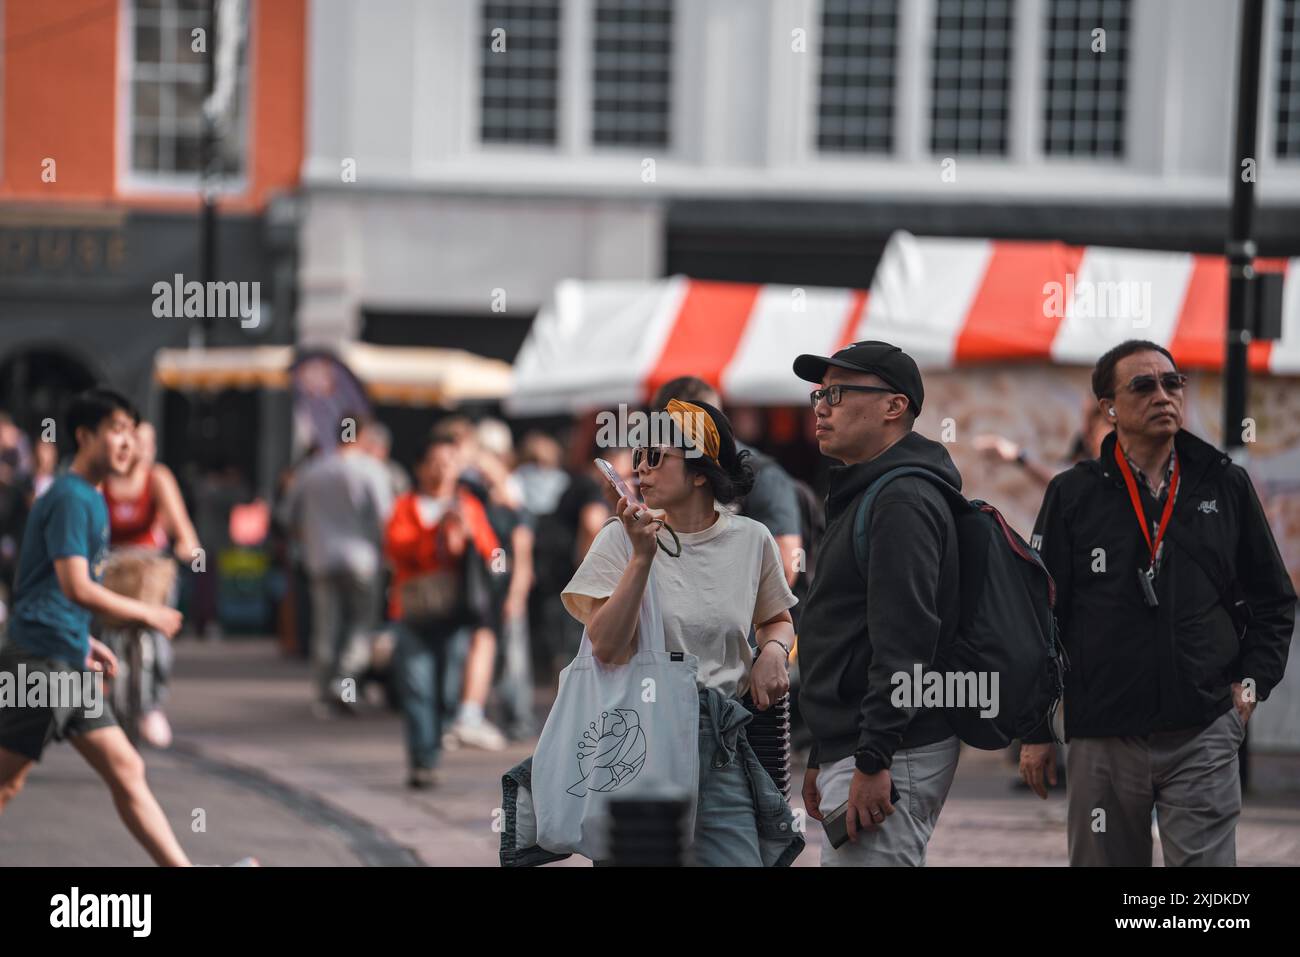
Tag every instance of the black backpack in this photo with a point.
(1007, 623)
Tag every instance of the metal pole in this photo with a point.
(208, 163)
(1241, 254)
(1241, 247)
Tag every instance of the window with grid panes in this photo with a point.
(168, 87)
(859, 47)
(970, 79)
(1083, 90)
(520, 78)
(632, 50)
(1288, 79)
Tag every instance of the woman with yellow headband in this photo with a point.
(727, 579)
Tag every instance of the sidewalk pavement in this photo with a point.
(64, 817)
(239, 705)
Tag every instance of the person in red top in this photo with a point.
(432, 529)
(145, 509)
(145, 505)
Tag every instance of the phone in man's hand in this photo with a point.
(836, 823)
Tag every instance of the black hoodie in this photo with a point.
(855, 635)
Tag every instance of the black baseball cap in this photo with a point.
(891, 363)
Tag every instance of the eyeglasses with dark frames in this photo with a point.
(1171, 382)
(834, 394)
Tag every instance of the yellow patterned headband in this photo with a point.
(697, 426)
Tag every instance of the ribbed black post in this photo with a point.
(647, 832)
(769, 736)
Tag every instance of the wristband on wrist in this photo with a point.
(776, 641)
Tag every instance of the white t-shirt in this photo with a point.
(727, 578)
(431, 509)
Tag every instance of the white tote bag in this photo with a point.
(617, 731)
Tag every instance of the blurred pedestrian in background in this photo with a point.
(540, 475)
(439, 541)
(146, 511)
(563, 538)
(46, 456)
(377, 440)
(338, 508)
(1086, 445)
(295, 617)
(471, 657)
(544, 481)
(15, 500)
(216, 492)
(484, 473)
(15, 448)
(506, 639)
(1094, 427)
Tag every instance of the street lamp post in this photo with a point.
(209, 160)
(1241, 246)
(1241, 252)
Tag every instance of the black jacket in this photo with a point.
(855, 635)
(1135, 670)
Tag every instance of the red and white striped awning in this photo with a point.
(947, 302)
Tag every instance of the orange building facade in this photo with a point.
(65, 90)
(100, 126)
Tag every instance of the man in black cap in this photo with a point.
(857, 635)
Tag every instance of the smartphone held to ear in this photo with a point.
(620, 486)
(616, 480)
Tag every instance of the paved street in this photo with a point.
(65, 817)
(292, 789)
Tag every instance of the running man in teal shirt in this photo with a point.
(69, 521)
(57, 592)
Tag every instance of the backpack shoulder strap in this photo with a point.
(861, 519)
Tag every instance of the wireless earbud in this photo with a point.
(1112, 413)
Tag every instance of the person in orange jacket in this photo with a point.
(432, 530)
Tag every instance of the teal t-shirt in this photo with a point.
(70, 519)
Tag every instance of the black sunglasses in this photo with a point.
(834, 394)
(652, 456)
(1146, 384)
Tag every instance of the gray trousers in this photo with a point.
(1191, 778)
(516, 682)
(344, 613)
(923, 776)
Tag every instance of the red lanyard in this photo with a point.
(1131, 482)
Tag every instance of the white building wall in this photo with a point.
(436, 220)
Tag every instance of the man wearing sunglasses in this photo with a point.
(855, 635)
(1176, 612)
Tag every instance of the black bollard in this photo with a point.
(647, 832)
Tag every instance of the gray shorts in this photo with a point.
(27, 730)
